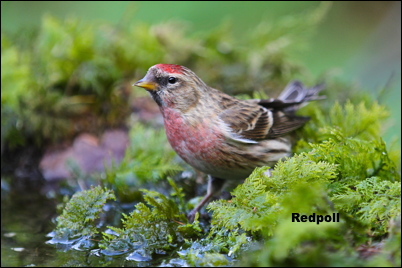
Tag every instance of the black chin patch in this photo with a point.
(156, 97)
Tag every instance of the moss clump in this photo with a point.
(80, 214)
(147, 161)
(157, 228)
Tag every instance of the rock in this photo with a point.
(88, 152)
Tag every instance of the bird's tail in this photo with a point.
(294, 96)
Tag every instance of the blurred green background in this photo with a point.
(358, 41)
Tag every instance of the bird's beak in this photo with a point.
(146, 84)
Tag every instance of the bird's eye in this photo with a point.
(172, 80)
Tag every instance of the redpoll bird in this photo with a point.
(218, 134)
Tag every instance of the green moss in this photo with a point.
(148, 160)
(261, 200)
(79, 215)
(147, 231)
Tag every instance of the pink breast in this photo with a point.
(196, 144)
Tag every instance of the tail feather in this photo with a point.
(294, 96)
(296, 92)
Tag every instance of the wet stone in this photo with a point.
(88, 152)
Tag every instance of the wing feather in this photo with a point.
(250, 121)
(254, 120)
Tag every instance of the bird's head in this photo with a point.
(172, 86)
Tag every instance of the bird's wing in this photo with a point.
(266, 119)
(254, 122)
(285, 123)
(248, 121)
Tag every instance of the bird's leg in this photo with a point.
(214, 186)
